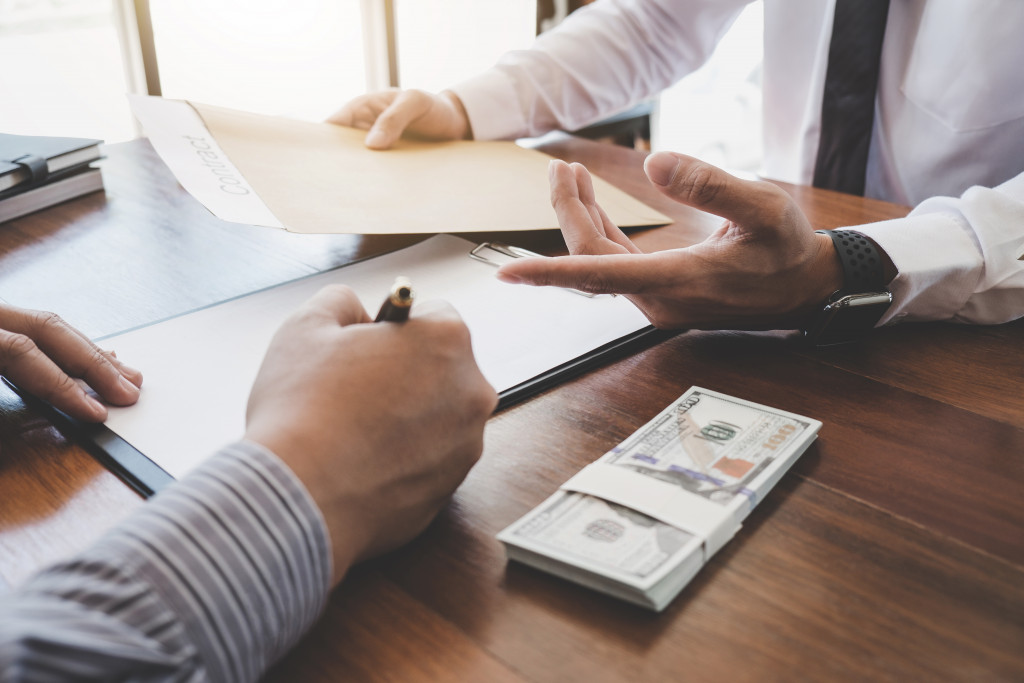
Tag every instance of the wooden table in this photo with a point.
(893, 550)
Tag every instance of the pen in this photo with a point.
(395, 308)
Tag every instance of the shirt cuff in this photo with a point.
(239, 552)
(938, 264)
(492, 106)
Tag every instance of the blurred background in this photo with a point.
(67, 64)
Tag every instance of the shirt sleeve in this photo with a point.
(604, 58)
(214, 579)
(959, 259)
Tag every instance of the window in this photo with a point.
(715, 113)
(305, 58)
(442, 42)
(63, 69)
(300, 58)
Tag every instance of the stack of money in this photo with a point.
(643, 519)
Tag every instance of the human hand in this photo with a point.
(765, 268)
(381, 422)
(389, 114)
(44, 355)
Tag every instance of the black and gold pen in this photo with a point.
(395, 308)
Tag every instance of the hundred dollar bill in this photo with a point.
(712, 444)
(713, 447)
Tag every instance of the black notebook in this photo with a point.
(33, 160)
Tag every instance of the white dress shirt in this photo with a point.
(949, 121)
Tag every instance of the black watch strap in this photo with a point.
(863, 298)
(862, 264)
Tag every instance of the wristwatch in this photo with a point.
(863, 299)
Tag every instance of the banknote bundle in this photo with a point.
(639, 522)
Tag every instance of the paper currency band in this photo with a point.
(711, 522)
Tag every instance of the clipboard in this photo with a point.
(141, 459)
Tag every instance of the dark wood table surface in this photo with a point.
(893, 550)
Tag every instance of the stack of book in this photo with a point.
(37, 172)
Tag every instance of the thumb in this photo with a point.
(703, 186)
(392, 122)
(604, 274)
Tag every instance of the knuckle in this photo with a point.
(697, 183)
(557, 196)
(490, 402)
(418, 96)
(59, 384)
(590, 247)
(387, 120)
(45, 321)
(13, 347)
(593, 282)
(623, 280)
(774, 201)
(455, 331)
(485, 398)
(659, 321)
(96, 360)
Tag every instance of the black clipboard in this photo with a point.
(147, 478)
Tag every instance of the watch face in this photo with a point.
(848, 318)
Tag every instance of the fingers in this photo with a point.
(23, 363)
(578, 227)
(131, 374)
(604, 274)
(390, 114)
(589, 199)
(709, 188)
(585, 227)
(337, 303)
(345, 116)
(73, 353)
(407, 106)
(362, 111)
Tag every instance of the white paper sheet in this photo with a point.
(199, 367)
(181, 139)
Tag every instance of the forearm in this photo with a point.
(214, 579)
(602, 59)
(958, 259)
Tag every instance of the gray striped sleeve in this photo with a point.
(214, 579)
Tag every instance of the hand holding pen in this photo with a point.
(379, 422)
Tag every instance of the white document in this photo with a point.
(199, 367)
(182, 140)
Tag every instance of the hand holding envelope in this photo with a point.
(320, 178)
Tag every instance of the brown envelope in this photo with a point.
(320, 178)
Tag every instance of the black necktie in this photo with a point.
(848, 105)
